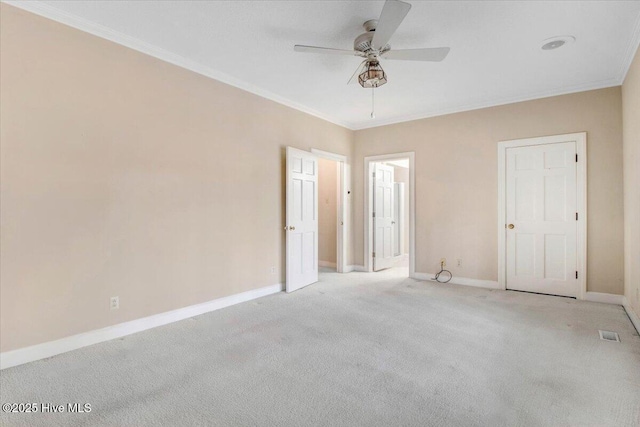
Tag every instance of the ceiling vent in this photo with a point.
(556, 42)
(609, 336)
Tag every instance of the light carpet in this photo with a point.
(357, 349)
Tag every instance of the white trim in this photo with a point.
(359, 268)
(342, 208)
(20, 356)
(96, 29)
(368, 207)
(604, 298)
(330, 156)
(107, 33)
(632, 48)
(632, 314)
(567, 90)
(328, 264)
(581, 205)
(464, 281)
(581, 145)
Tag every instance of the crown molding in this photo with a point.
(107, 33)
(632, 48)
(101, 31)
(495, 103)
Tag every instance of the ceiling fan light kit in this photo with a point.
(373, 45)
(373, 77)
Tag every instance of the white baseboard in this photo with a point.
(604, 298)
(632, 314)
(464, 281)
(359, 268)
(348, 269)
(326, 264)
(52, 348)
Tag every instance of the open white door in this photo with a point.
(541, 219)
(302, 219)
(383, 218)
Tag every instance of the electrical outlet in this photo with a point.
(114, 303)
(459, 262)
(273, 270)
(443, 261)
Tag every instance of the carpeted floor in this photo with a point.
(357, 349)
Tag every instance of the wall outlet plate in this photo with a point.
(114, 303)
(443, 261)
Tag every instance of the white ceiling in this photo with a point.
(495, 49)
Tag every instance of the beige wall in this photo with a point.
(327, 210)
(456, 180)
(401, 174)
(123, 175)
(631, 154)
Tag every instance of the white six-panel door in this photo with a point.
(302, 219)
(383, 210)
(541, 209)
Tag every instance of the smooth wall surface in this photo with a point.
(456, 180)
(631, 153)
(327, 210)
(123, 175)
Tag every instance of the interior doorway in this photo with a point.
(328, 221)
(390, 212)
(302, 220)
(337, 184)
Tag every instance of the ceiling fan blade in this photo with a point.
(393, 13)
(316, 49)
(362, 65)
(434, 54)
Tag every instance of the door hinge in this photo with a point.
(374, 214)
(373, 255)
(576, 216)
(576, 158)
(576, 274)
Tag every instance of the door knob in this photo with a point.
(393, 222)
(511, 226)
(291, 228)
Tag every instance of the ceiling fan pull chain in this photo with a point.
(373, 110)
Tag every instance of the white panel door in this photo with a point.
(541, 203)
(302, 219)
(383, 217)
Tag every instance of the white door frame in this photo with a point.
(342, 206)
(581, 182)
(368, 208)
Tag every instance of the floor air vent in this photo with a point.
(609, 336)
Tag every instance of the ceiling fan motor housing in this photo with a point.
(362, 43)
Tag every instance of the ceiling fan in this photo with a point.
(373, 45)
